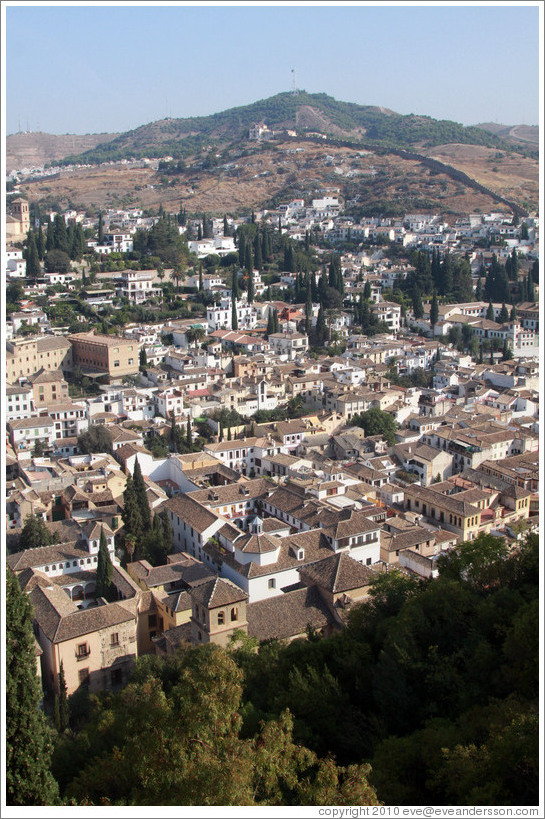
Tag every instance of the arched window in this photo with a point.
(234, 614)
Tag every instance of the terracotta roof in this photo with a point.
(60, 619)
(257, 544)
(288, 615)
(193, 513)
(338, 573)
(217, 592)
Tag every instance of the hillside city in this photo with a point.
(224, 428)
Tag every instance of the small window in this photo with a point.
(234, 615)
(221, 618)
(272, 583)
(114, 639)
(82, 650)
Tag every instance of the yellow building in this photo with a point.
(453, 514)
(104, 355)
(26, 356)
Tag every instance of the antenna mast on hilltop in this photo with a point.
(294, 89)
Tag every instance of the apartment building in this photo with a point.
(111, 356)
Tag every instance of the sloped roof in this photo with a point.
(338, 573)
(217, 592)
(288, 615)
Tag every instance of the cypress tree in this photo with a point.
(234, 317)
(167, 530)
(104, 568)
(276, 323)
(100, 229)
(225, 226)
(220, 432)
(201, 285)
(490, 312)
(60, 234)
(248, 261)
(188, 435)
(513, 314)
(504, 314)
(270, 323)
(251, 287)
(199, 232)
(321, 329)
(530, 290)
(228, 433)
(141, 496)
(33, 269)
(40, 244)
(258, 256)
(50, 239)
(235, 289)
(62, 700)
(308, 315)
(479, 290)
(28, 737)
(241, 250)
(131, 515)
(434, 312)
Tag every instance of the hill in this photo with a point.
(369, 125)
(513, 133)
(34, 149)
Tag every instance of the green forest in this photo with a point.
(428, 696)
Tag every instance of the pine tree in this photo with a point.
(141, 496)
(28, 737)
(104, 568)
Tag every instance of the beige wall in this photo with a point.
(98, 662)
(118, 358)
(25, 358)
(50, 392)
(205, 623)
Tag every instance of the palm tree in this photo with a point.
(194, 335)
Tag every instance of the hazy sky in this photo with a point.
(103, 68)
